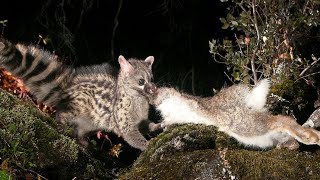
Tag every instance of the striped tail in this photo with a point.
(41, 72)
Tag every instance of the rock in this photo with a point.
(201, 152)
(31, 141)
(314, 119)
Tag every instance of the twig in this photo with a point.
(192, 80)
(37, 174)
(2, 31)
(20, 166)
(237, 40)
(255, 78)
(185, 78)
(302, 77)
(305, 6)
(214, 57)
(244, 9)
(228, 77)
(116, 23)
(307, 68)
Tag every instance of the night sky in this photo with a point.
(175, 32)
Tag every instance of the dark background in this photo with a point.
(175, 32)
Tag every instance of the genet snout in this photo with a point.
(150, 88)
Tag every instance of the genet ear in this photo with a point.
(125, 66)
(149, 60)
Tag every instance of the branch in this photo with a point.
(303, 77)
(237, 40)
(255, 78)
(185, 78)
(230, 79)
(307, 68)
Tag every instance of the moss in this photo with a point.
(296, 92)
(300, 95)
(183, 152)
(29, 131)
(217, 156)
(4, 175)
(225, 141)
(177, 139)
(32, 140)
(201, 164)
(274, 164)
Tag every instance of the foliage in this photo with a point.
(4, 175)
(3, 23)
(267, 39)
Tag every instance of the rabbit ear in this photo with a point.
(125, 66)
(149, 60)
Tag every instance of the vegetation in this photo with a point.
(278, 40)
(268, 39)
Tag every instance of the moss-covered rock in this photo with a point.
(201, 152)
(197, 164)
(31, 141)
(274, 164)
(182, 152)
(180, 139)
(28, 138)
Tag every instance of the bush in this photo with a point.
(269, 40)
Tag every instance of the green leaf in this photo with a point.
(236, 76)
(225, 26)
(212, 43)
(235, 23)
(223, 20)
(93, 142)
(3, 22)
(230, 17)
(5, 175)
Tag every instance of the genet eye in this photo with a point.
(141, 82)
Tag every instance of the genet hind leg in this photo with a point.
(81, 126)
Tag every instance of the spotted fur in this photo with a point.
(91, 98)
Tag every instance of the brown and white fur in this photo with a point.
(238, 111)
